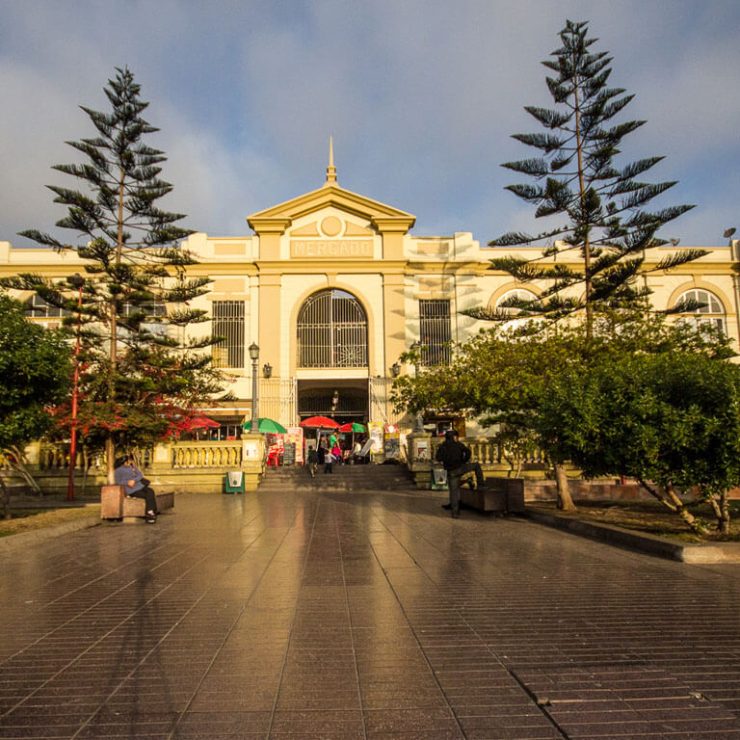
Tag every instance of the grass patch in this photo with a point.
(652, 518)
(29, 519)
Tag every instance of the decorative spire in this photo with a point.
(331, 170)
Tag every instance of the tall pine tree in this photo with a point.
(576, 176)
(130, 311)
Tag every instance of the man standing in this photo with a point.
(135, 484)
(455, 456)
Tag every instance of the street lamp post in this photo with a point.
(419, 421)
(254, 355)
(76, 281)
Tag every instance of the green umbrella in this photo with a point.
(353, 427)
(266, 426)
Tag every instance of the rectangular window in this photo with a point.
(152, 309)
(435, 332)
(228, 323)
(37, 306)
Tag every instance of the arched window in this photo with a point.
(518, 293)
(332, 331)
(712, 313)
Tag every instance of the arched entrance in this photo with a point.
(332, 335)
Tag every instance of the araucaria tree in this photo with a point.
(576, 179)
(130, 310)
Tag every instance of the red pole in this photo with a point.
(75, 393)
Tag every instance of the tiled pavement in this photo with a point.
(360, 616)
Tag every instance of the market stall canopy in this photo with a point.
(320, 422)
(353, 427)
(266, 426)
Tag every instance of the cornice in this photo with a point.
(292, 267)
(480, 268)
(266, 225)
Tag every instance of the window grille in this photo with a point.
(228, 322)
(435, 332)
(711, 314)
(332, 331)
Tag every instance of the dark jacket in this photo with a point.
(452, 454)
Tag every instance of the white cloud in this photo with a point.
(421, 97)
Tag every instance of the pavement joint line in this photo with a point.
(410, 623)
(173, 731)
(101, 638)
(154, 647)
(465, 594)
(61, 626)
(461, 611)
(348, 612)
(304, 565)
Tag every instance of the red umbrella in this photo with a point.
(198, 422)
(190, 424)
(320, 422)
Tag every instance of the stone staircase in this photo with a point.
(344, 478)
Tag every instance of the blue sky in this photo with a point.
(421, 98)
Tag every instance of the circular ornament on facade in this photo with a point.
(331, 226)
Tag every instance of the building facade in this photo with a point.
(331, 288)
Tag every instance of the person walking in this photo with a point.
(128, 475)
(455, 458)
(328, 461)
(324, 455)
(313, 461)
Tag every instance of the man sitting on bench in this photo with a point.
(136, 485)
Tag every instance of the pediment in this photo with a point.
(384, 218)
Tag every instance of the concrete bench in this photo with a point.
(500, 496)
(115, 504)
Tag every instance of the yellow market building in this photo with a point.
(332, 287)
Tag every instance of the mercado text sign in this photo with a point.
(353, 248)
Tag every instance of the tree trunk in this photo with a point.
(565, 500)
(672, 501)
(720, 504)
(691, 521)
(110, 459)
(724, 506)
(17, 463)
(4, 497)
(84, 473)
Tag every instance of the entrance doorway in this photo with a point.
(341, 400)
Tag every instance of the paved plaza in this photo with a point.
(360, 615)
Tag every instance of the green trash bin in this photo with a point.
(234, 482)
(439, 478)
